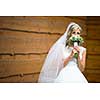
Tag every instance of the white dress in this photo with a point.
(71, 73)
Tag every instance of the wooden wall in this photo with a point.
(92, 71)
(25, 41)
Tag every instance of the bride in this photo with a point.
(60, 65)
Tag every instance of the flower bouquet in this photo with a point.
(76, 41)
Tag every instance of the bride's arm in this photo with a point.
(68, 58)
(81, 62)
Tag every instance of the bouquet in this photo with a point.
(76, 41)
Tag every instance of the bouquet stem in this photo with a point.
(75, 44)
(76, 54)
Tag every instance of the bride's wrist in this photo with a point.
(71, 56)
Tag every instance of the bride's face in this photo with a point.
(75, 32)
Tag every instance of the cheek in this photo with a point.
(78, 35)
(73, 35)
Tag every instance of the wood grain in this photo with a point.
(12, 42)
(25, 42)
(92, 71)
(40, 24)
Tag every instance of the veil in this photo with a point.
(54, 60)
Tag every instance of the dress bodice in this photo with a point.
(67, 51)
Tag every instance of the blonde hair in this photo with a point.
(70, 30)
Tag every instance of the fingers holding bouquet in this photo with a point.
(77, 49)
(76, 41)
(74, 51)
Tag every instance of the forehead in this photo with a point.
(76, 30)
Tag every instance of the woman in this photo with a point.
(60, 65)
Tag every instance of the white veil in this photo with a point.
(54, 60)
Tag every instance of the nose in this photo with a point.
(75, 33)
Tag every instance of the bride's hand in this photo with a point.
(73, 52)
(77, 49)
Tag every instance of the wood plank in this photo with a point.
(93, 32)
(92, 71)
(21, 79)
(92, 66)
(93, 22)
(93, 47)
(90, 18)
(40, 24)
(93, 62)
(78, 17)
(28, 35)
(93, 27)
(93, 78)
(13, 42)
(18, 66)
(95, 65)
(92, 75)
(93, 35)
(93, 50)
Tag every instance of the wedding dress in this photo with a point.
(71, 73)
(53, 69)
